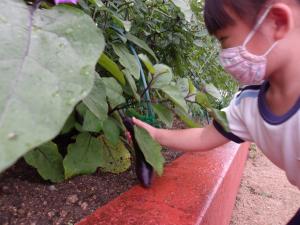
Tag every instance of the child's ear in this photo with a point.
(282, 20)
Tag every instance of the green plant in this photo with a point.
(63, 93)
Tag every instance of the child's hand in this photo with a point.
(151, 130)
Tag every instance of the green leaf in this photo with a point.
(185, 9)
(127, 25)
(184, 117)
(192, 91)
(114, 158)
(163, 76)
(96, 100)
(112, 67)
(175, 95)
(164, 114)
(150, 148)
(69, 124)
(221, 118)
(127, 60)
(202, 99)
(85, 7)
(192, 88)
(183, 85)
(213, 91)
(141, 44)
(111, 131)
(47, 61)
(147, 63)
(124, 23)
(132, 85)
(198, 42)
(113, 91)
(91, 123)
(48, 162)
(83, 157)
(98, 3)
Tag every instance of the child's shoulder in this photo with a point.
(250, 92)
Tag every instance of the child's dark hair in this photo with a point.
(216, 17)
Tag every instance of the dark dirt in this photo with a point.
(26, 199)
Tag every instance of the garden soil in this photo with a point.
(25, 199)
(265, 196)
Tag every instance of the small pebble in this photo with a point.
(52, 188)
(63, 213)
(84, 205)
(50, 214)
(21, 211)
(72, 199)
(4, 188)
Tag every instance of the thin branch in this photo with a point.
(148, 87)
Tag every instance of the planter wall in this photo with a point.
(197, 188)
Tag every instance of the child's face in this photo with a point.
(282, 24)
(235, 35)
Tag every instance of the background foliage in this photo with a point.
(158, 62)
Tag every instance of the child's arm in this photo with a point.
(193, 139)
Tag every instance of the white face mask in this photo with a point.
(245, 67)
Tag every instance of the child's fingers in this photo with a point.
(151, 130)
(140, 123)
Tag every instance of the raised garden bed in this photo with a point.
(198, 188)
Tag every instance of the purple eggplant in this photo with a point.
(144, 170)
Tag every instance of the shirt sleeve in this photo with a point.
(234, 113)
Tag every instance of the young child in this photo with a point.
(260, 42)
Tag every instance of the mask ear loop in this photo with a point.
(270, 49)
(257, 25)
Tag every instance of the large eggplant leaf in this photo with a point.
(91, 122)
(184, 117)
(213, 91)
(183, 85)
(142, 44)
(114, 91)
(114, 158)
(202, 99)
(163, 76)
(111, 130)
(131, 84)
(164, 114)
(98, 3)
(175, 95)
(112, 67)
(220, 117)
(69, 124)
(185, 9)
(150, 148)
(96, 100)
(83, 157)
(127, 60)
(88, 121)
(48, 161)
(47, 60)
(147, 63)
